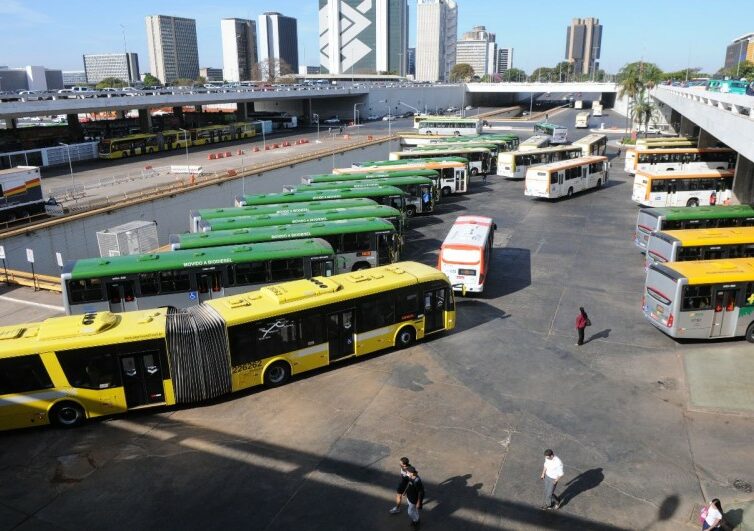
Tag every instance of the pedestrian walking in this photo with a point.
(712, 516)
(414, 497)
(402, 485)
(551, 474)
(484, 178)
(582, 321)
(619, 150)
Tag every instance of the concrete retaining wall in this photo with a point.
(77, 238)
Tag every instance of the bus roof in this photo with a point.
(141, 263)
(280, 208)
(449, 119)
(265, 220)
(365, 183)
(710, 271)
(328, 177)
(716, 236)
(468, 231)
(589, 139)
(676, 149)
(702, 212)
(194, 240)
(444, 148)
(551, 149)
(298, 295)
(550, 125)
(570, 163)
(313, 195)
(430, 162)
(685, 174)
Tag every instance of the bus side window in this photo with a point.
(174, 281)
(406, 304)
(696, 298)
(286, 269)
(89, 368)
(85, 290)
(149, 284)
(376, 312)
(250, 273)
(22, 374)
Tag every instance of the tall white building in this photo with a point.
(363, 36)
(239, 37)
(278, 42)
(436, 35)
(123, 66)
(173, 50)
(478, 49)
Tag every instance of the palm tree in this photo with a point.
(629, 86)
(643, 110)
(634, 79)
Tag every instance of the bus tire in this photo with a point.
(358, 266)
(428, 133)
(692, 203)
(410, 211)
(599, 184)
(67, 415)
(456, 133)
(445, 191)
(570, 193)
(474, 172)
(750, 333)
(406, 337)
(277, 374)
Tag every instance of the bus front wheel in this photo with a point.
(750, 333)
(692, 203)
(599, 184)
(277, 374)
(474, 171)
(446, 191)
(410, 211)
(67, 415)
(570, 193)
(405, 337)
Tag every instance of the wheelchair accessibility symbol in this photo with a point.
(193, 295)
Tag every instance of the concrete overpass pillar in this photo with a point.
(178, 113)
(11, 123)
(706, 139)
(120, 115)
(743, 181)
(688, 128)
(145, 121)
(74, 127)
(198, 108)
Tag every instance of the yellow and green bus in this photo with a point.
(68, 369)
(708, 299)
(700, 244)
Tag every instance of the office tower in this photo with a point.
(173, 51)
(741, 49)
(436, 35)
(504, 60)
(123, 66)
(583, 43)
(411, 61)
(278, 44)
(363, 36)
(239, 39)
(478, 49)
(212, 74)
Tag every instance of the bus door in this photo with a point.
(387, 251)
(142, 378)
(340, 334)
(209, 284)
(434, 309)
(671, 189)
(726, 313)
(120, 296)
(322, 267)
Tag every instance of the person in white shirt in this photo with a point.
(551, 473)
(714, 518)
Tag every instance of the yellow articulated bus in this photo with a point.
(67, 369)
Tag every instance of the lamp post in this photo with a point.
(531, 101)
(355, 115)
(315, 117)
(185, 143)
(70, 167)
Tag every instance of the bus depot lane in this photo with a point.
(473, 409)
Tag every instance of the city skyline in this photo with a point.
(36, 33)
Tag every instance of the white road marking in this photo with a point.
(31, 303)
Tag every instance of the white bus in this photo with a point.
(566, 178)
(596, 108)
(582, 120)
(466, 253)
(450, 126)
(514, 164)
(534, 142)
(683, 189)
(593, 144)
(557, 134)
(682, 159)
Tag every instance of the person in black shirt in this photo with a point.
(405, 465)
(414, 496)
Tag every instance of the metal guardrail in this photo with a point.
(23, 278)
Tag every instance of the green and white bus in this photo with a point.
(504, 142)
(184, 278)
(450, 126)
(434, 175)
(534, 142)
(676, 218)
(454, 174)
(557, 134)
(196, 216)
(358, 243)
(393, 215)
(384, 195)
(482, 158)
(420, 191)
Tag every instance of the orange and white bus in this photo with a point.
(466, 253)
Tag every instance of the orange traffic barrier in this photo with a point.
(370, 137)
(239, 152)
(147, 167)
(231, 173)
(267, 148)
(211, 156)
(228, 154)
(256, 149)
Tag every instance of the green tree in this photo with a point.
(542, 73)
(183, 82)
(643, 110)
(564, 71)
(634, 79)
(201, 80)
(111, 82)
(151, 81)
(271, 70)
(461, 72)
(744, 69)
(514, 74)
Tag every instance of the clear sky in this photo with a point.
(672, 33)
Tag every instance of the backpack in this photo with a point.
(703, 514)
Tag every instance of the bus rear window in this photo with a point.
(658, 295)
(461, 256)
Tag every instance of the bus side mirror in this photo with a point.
(494, 226)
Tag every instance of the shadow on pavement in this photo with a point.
(581, 483)
(602, 334)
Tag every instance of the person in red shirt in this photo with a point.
(582, 321)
